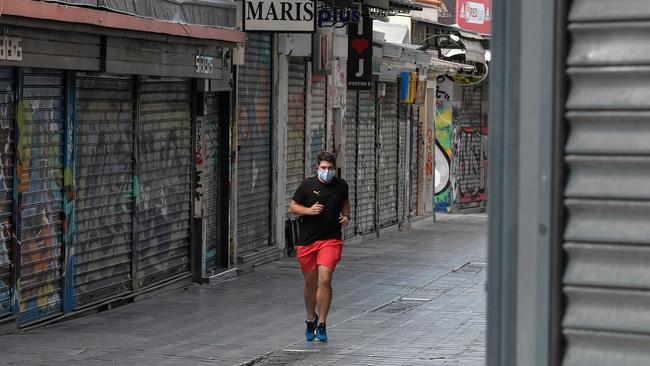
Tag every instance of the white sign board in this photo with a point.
(284, 16)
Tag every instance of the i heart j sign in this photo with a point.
(360, 44)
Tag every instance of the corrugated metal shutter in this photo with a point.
(164, 166)
(7, 126)
(350, 172)
(366, 189)
(401, 166)
(606, 282)
(254, 139)
(388, 157)
(40, 165)
(318, 122)
(415, 157)
(296, 126)
(104, 218)
(211, 174)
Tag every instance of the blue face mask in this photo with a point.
(326, 175)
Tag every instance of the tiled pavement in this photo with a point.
(415, 297)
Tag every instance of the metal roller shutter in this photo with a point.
(211, 174)
(164, 166)
(296, 126)
(350, 172)
(414, 139)
(366, 189)
(606, 281)
(8, 120)
(40, 168)
(318, 122)
(388, 157)
(254, 139)
(103, 238)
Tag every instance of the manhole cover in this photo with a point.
(402, 305)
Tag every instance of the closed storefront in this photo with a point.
(318, 123)
(39, 169)
(366, 189)
(388, 157)
(212, 176)
(295, 160)
(414, 140)
(103, 237)
(351, 151)
(7, 129)
(164, 165)
(402, 167)
(254, 162)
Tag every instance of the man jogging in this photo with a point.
(322, 201)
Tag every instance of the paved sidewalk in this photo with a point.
(415, 297)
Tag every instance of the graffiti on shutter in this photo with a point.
(40, 123)
(254, 140)
(103, 237)
(296, 126)
(388, 157)
(164, 164)
(7, 126)
(350, 171)
(211, 174)
(366, 189)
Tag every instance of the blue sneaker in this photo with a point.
(310, 332)
(321, 333)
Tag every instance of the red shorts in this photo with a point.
(320, 252)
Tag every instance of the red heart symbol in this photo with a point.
(359, 44)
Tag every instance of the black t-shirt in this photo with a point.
(326, 224)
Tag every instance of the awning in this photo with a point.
(474, 51)
(107, 19)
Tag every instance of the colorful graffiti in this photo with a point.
(444, 153)
(39, 193)
(6, 185)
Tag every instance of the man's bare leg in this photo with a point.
(310, 290)
(324, 294)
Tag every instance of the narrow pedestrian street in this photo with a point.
(411, 297)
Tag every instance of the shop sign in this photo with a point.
(337, 17)
(474, 15)
(360, 64)
(286, 16)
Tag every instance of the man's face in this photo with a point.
(325, 165)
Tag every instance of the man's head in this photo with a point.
(326, 166)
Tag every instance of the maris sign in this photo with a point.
(284, 16)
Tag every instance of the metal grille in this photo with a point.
(296, 126)
(318, 124)
(211, 174)
(7, 123)
(606, 282)
(254, 139)
(350, 171)
(103, 238)
(388, 157)
(366, 190)
(164, 165)
(40, 165)
(401, 166)
(415, 157)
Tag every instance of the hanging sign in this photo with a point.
(286, 16)
(360, 54)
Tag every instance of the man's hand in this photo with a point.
(316, 209)
(344, 220)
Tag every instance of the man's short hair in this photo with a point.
(326, 156)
